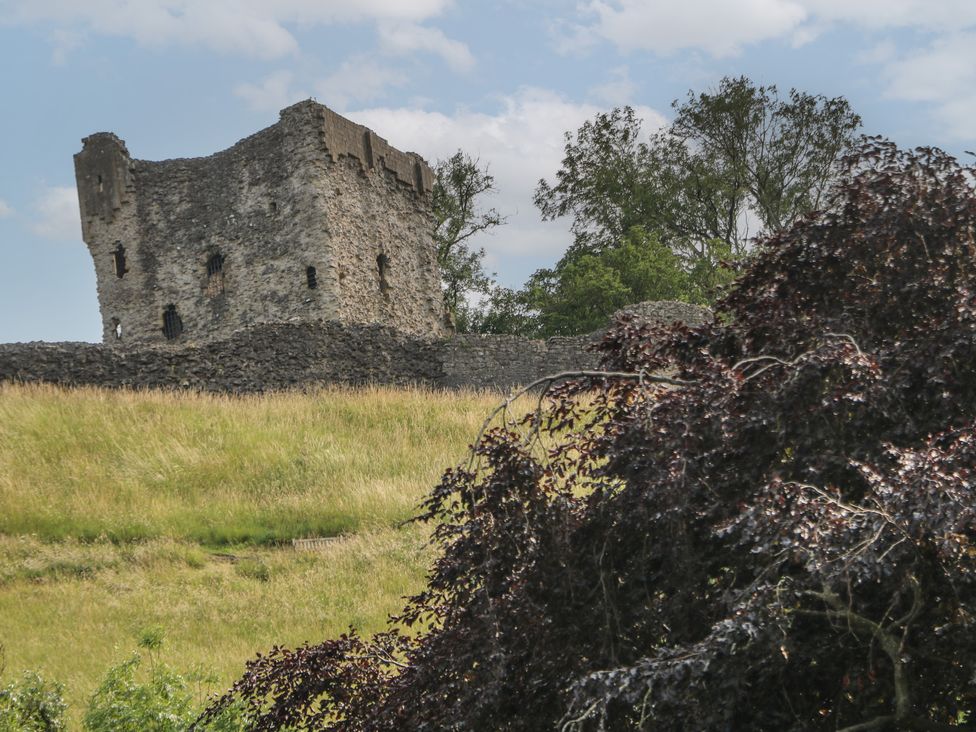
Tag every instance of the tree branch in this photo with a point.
(547, 382)
(893, 648)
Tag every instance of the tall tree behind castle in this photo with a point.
(459, 181)
(655, 216)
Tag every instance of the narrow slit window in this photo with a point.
(117, 328)
(172, 323)
(119, 257)
(311, 277)
(383, 269)
(418, 177)
(273, 207)
(215, 275)
(368, 149)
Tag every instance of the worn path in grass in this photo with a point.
(121, 511)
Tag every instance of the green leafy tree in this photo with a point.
(604, 183)
(505, 311)
(734, 163)
(586, 288)
(459, 183)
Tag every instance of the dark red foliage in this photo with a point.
(785, 542)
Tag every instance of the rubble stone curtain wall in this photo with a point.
(304, 355)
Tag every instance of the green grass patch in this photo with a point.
(90, 463)
(72, 610)
(125, 515)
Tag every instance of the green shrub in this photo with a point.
(124, 704)
(32, 705)
(161, 703)
(151, 638)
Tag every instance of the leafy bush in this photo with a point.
(163, 702)
(122, 703)
(31, 705)
(779, 536)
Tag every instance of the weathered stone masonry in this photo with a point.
(262, 358)
(314, 218)
(295, 355)
(303, 255)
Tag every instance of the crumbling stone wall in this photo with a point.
(264, 358)
(502, 362)
(314, 218)
(293, 355)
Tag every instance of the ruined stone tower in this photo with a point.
(313, 218)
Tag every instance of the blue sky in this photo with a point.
(504, 80)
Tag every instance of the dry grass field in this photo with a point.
(121, 511)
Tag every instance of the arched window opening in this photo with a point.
(117, 328)
(215, 265)
(172, 323)
(119, 256)
(311, 277)
(215, 274)
(383, 269)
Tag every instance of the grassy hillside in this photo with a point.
(89, 463)
(123, 511)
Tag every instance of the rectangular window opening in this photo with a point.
(383, 269)
(215, 275)
(119, 256)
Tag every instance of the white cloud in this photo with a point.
(272, 94)
(56, 214)
(521, 142)
(251, 27)
(937, 72)
(723, 28)
(938, 15)
(617, 90)
(360, 79)
(332, 11)
(944, 74)
(941, 73)
(570, 38)
(718, 27)
(405, 38)
(879, 53)
(5, 209)
(225, 26)
(64, 42)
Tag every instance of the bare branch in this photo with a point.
(876, 723)
(548, 381)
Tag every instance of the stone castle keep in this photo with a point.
(302, 255)
(313, 218)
